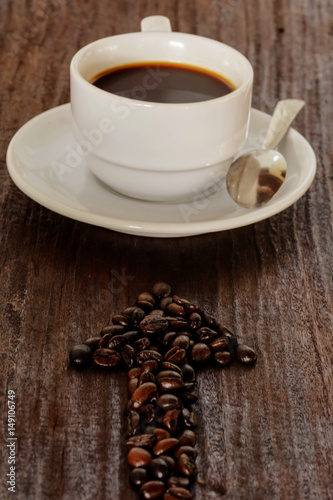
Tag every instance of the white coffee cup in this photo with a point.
(159, 151)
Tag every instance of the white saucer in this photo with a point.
(39, 148)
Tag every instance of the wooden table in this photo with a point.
(264, 433)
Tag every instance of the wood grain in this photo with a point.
(264, 433)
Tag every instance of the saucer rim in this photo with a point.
(149, 228)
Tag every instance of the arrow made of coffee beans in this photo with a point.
(161, 341)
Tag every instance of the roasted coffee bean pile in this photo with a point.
(161, 341)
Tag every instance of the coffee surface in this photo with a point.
(163, 83)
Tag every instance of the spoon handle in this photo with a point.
(283, 115)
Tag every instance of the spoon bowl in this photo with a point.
(255, 177)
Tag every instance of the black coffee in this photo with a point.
(163, 82)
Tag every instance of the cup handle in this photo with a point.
(156, 23)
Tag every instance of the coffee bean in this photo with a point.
(152, 490)
(148, 416)
(113, 329)
(147, 377)
(148, 354)
(178, 300)
(93, 342)
(161, 289)
(186, 466)
(142, 441)
(142, 394)
(147, 297)
(159, 469)
(117, 342)
(232, 344)
(104, 341)
(80, 355)
(106, 357)
(176, 323)
(171, 420)
(165, 446)
(134, 373)
(189, 450)
(164, 302)
(156, 312)
(168, 338)
(141, 344)
(182, 341)
(188, 334)
(189, 418)
(161, 433)
(131, 336)
(194, 321)
(219, 344)
(223, 331)
(206, 334)
(210, 321)
(187, 438)
(138, 477)
(169, 461)
(128, 353)
(168, 402)
(179, 481)
(173, 309)
(132, 423)
(186, 304)
(137, 315)
(175, 355)
(245, 354)
(170, 384)
(177, 493)
(151, 365)
(153, 325)
(223, 358)
(168, 374)
(120, 319)
(188, 373)
(139, 457)
(200, 353)
(171, 366)
(128, 311)
(132, 385)
(146, 305)
(159, 414)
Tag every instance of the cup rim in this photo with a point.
(150, 104)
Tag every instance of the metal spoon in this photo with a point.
(255, 176)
